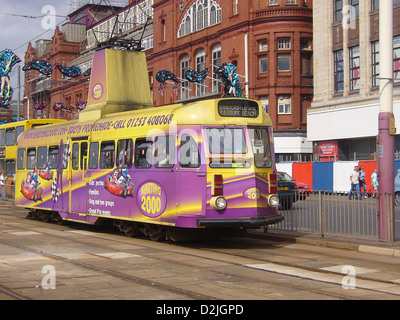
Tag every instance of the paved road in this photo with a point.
(77, 262)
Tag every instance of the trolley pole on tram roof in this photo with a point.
(386, 123)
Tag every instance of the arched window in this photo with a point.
(184, 66)
(200, 66)
(216, 63)
(200, 15)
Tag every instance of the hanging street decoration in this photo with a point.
(196, 76)
(7, 60)
(230, 80)
(71, 72)
(42, 66)
(88, 72)
(162, 76)
(40, 106)
(81, 105)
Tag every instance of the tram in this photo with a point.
(151, 170)
(9, 133)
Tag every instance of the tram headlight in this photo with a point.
(218, 203)
(273, 200)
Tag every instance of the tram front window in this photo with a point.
(227, 146)
(261, 147)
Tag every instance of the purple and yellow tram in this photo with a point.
(156, 171)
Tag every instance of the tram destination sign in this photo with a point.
(238, 108)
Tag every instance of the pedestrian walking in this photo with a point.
(375, 184)
(355, 183)
(3, 185)
(362, 182)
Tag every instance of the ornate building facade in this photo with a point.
(270, 42)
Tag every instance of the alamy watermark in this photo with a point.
(349, 281)
(349, 15)
(49, 20)
(49, 280)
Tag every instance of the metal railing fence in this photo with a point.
(335, 213)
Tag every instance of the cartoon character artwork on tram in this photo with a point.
(30, 186)
(46, 173)
(119, 182)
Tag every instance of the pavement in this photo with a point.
(332, 241)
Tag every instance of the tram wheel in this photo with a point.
(154, 232)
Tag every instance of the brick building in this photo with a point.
(270, 42)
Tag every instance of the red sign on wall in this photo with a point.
(328, 149)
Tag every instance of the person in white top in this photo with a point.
(355, 183)
(3, 185)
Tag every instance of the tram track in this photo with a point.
(223, 253)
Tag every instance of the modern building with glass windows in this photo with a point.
(343, 118)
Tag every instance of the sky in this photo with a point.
(22, 21)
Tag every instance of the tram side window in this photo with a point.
(19, 130)
(2, 137)
(53, 157)
(262, 153)
(21, 158)
(64, 152)
(143, 152)
(107, 154)
(164, 152)
(83, 154)
(10, 168)
(31, 158)
(75, 156)
(94, 155)
(10, 136)
(189, 156)
(125, 152)
(41, 157)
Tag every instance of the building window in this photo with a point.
(265, 103)
(283, 62)
(284, 44)
(216, 62)
(273, 2)
(396, 59)
(354, 4)
(290, 1)
(200, 66)
(284, 104)
(200, 15)
(354, 68)
(235, 7)
(338, 71)
(337, 10)
(375, 63)
(184, 66)
(263, 45)
(264, 64)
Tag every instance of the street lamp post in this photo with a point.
(386, 125)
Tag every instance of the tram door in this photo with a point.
(77, 175)
(192, 177)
